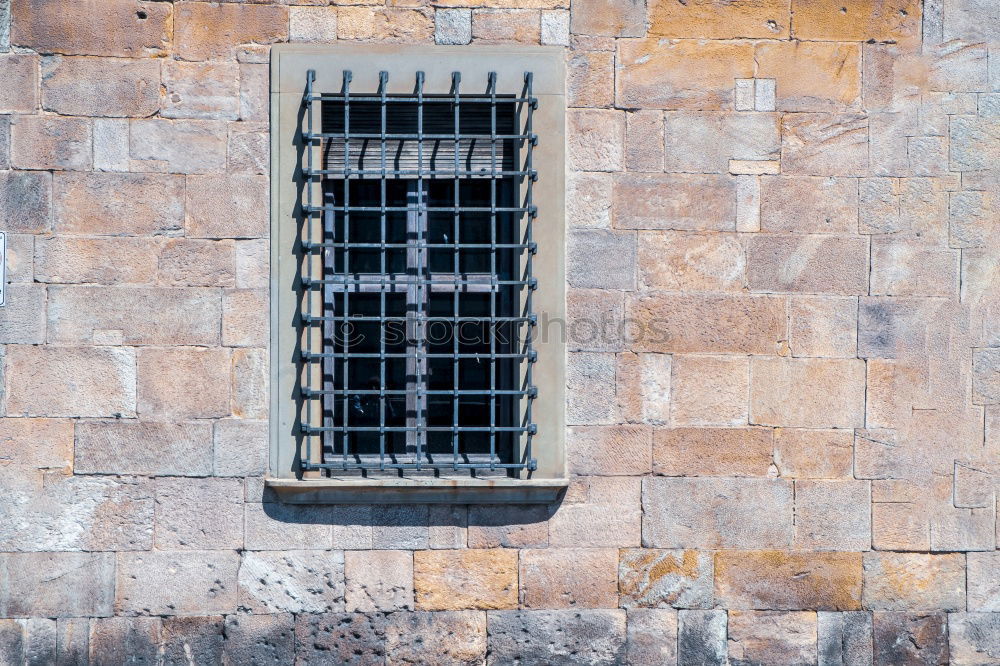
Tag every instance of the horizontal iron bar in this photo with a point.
(422, 465)
(531, 356)
(416, 318)
(313, 393)
(407, 209)
(308, 429)
(369, 136)
(410, 99)
(421, 173)
(420, 246)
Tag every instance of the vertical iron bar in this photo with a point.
(308, 258)
(346, 255)
(493, 264)
(422, 267)
(529, 261)
(456, 79)
(383, 84)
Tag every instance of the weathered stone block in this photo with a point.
(111, 144)
(649, 578)
(199, 263)
(176, 583)
(67, 260)
(705, 19)
(643, 140)
(249, 151)
(312, 24)
(70, 381)
(260, 639)
(215, 32)
(590, 83)
(643, 387)
(682, 261)
(708, 390)
(664, 74)
(400, 526)
(844, 638)
(820, 144)
(716, 513)
(705, 142)
(788, 581)
(132, 447)
(73, 640)
(380, 580)
(674, 201)
(557, 636)
(823, 326)
(453, 26)
(179, 146)
(712, 451)
(601, 259)
(192, 639)
(500, 526)
(117, 203)
(51, 143)
(569, 578)
(292, 581)
(275, 526)
(200, 90)
(859, 21)
(608, 18)
(596, 320)
(972, 219)
(910, 638)
(974, 638)
(56, 584)
(19, 83)
(250, 382)
(811, 76)
(254, 92)
(227, 207)
(986, 376)
(455, 637)
(25, 201)
(975, 142)
(389, 25)
(832, 515)
(701, 637)
(448, 527)
(983, 584)
(100, 86)
(607, 514)
(183, 383)
(240, 448)
(772, 637)
(596, 140)
(252, 263)
(465, 579)
(22, 319)
(610, 450)
(810, 264)
(500, 26)
(914, 581)
(809, 204)
(809, 393)
(37, 443)
(144, 315)
(199, 514)
(591, 396)
(117, 639)
(344, 638)
(905, 269)
(122, 28)
(706, 323)
(652, 636)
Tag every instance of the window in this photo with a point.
(417, 246)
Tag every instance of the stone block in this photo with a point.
(25, 201)
(557, 636)
(702, 637)
(51, 143)
(974, 638)
(215, 32)
(651, 578)
(117, 639)
(914, 581)
(56, 585)
(131, 447)
(260, 639)
(209, 90)
(176, 582)
(178, 146)
(252, 263)
(643, 387)
(199, 514)
(568, 578)
(901, 268)
(983, 583)
(144, 315)
(705, 19)
(971, 20)
(824, 326)
(601, 259)
(788, 581)
(19, 83)
(986, 376)
(73, 640)
(610, 516)
(972, 219)
(808, 393)
(705, 142)
(501, 526)
(651, 636)
(975, 142)
(100, 86)
(682, 74)
(500, 26)
(590, 83)
(400, 526)
(120, 28)
(20, 258)
(249, 151)
(681, 202)
(961, 529)
(380, 580)
(312, 24)
(859, 21)
(465, 579)
(254, 92)
(608, 18)
(292, 581)
(910, 638)
(389, 25)
(643, 140)
(596, 140)
(118, 204)
(591, 396)
(684, 261)
(250, 383)
(608, 450)
(186, 262)
(844, 638)
(712, 451)
(227, 207)
(709, 390)
(453, 26)
(833, 515)
(596, 319)
(111, 144)
(37, 443)
(820, 144)
(455, 637)
(245, 318)
(275, 526)
(192, 639)
(807, 264)
(70, 381)
(240, 448)
(68, 260)
(448, 527)
(809, 205)
(343, 638)
(183, 383)
(22, 319)
(743, 92)
(716, 513)
(754, 168)
(772, 637)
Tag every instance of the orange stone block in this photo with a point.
(788, 581)
(858, 20)
(812, 76)
(465, 579)
(719, 19)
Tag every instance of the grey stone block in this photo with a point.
(555, 637)
(844, 639)
(56, 585)
(260, 640)
(701, 638)
(350, 639)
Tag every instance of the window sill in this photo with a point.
(418, 491)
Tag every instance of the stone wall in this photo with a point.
(789, 455)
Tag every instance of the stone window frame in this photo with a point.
(289, 64)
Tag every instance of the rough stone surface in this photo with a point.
(652, 636)
(297, 581)
(701, 637)
(974, 638)
(133, 447)
(199, 515)
(379, 580)
(775, 580)
(772, 637)
(176, 582)
(650, 578)
(832, 515)
(183, 383)
(204, 31)
(118, 204)
(568, 578)
(57, 584)
(901, 581)
(125, 88)
(915, 638)
(178, 146)
(557, 636)
(844, 638)
(121, 28)
(465, 579)
(811, 393)
(51, 143)
(674, 201)
(712, 451)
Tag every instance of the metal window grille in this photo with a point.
(416, 279)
